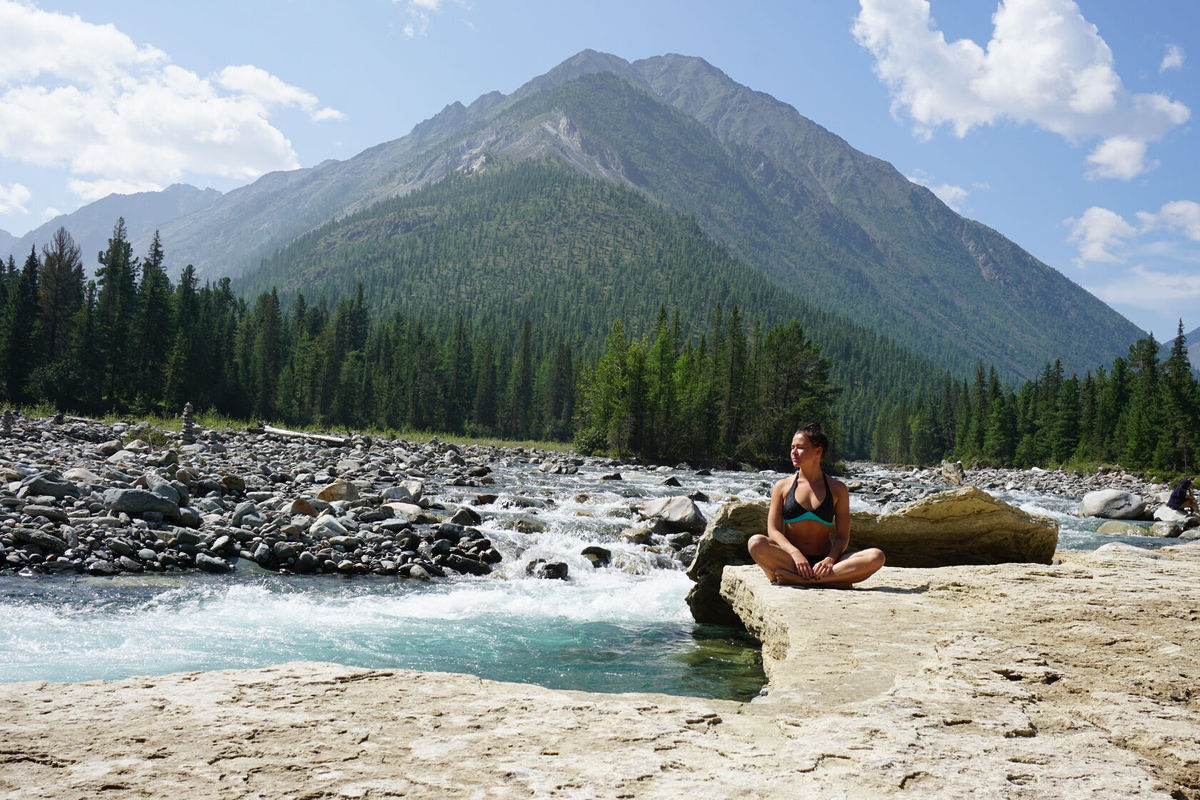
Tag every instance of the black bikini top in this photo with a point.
(794, 512)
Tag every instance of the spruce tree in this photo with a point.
(60, 293)
(21, 338)
(155, 324)
(116, 316)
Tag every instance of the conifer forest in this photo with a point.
(729, 390)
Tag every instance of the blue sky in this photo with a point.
(1067, 126)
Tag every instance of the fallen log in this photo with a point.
(336, 441)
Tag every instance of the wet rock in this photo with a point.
(675, 513)
(1166, 529)
(212, 564)
(547, 570)
(1117, 528)
(599, 556)
(1112, 504)
(642, 536)
(528, 525)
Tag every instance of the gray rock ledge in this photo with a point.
(1076, 679)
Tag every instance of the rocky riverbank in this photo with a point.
(895, 485)
(81, 496)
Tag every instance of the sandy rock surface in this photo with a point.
(1072, 680)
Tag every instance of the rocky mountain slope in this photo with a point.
(819, 219)
(92, 225)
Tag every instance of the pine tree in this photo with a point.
(1179, 434)
(1142, 416)
(520, 390)
(60, 293)
(116, 316)
(179, 381)
(155, 325)
(21, 337)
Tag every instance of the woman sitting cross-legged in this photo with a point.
(808, 526)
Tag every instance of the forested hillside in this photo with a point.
(538, 241)
(721, 388)
(726, 381)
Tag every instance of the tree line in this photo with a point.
(130, 341)
(1142, 413)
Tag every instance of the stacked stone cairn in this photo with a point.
(187, 434)
(7, 421)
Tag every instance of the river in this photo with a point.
(620, 629)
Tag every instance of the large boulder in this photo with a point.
(723, 542)
(1165, 513)
(959, 526)
(675, 514)
(50, 484)
(1112, 504)
(136, 502)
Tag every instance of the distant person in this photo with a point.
(808, 525)
(1182, 499)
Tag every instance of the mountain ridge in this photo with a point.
(789, 197)
(92, 225)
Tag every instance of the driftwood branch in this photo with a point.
(339, 441)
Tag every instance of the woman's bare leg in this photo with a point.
(770, 556)
(779, 567)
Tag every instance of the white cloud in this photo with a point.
(1172, 59)
(1171, 294)
(1098, 233)
(1101, 235)
(950, 194)
(50, 213)
(420, 11)
(122, 117)
(258, 84)
(1045, 65)
(13, 198)
(1178, 216)
(1118, 157)
(89, 191)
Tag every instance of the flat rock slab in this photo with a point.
(1071, 680)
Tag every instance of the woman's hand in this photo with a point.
(803, 568)
(824, 567)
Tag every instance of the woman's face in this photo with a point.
(803, 451)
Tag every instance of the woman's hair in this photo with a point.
(816, 436)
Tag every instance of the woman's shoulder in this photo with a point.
(837, 485)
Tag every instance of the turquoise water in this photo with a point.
(548, 633)
(623, 629)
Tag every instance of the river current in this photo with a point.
(620, 629)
